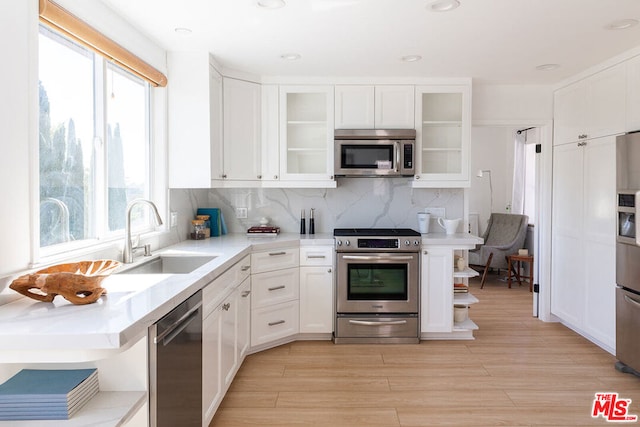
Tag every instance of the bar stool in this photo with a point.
(513, 271)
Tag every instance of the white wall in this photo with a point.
(17, 121)
(515, 103)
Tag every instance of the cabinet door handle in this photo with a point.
(275, 288)
(245, 267)
(246, 294)
(226, 306)
(275, 176)
(277, 253)
(277, 322)
(425, 253)
(329, 270)
(316, 257)
(259, 176)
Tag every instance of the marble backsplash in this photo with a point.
(356, 202)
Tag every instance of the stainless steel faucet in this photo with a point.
(127, 253)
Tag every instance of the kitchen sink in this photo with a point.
(169, 264)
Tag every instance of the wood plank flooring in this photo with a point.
(518, 371)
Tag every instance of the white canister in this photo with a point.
(423, 222)
(450, 225)
(460, 313)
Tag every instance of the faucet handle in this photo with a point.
(147, 249)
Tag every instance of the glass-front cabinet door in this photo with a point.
(306, 135)
(443, 127)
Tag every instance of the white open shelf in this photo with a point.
(464, 298)
(467, 272)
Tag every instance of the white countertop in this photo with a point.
(62, 331)
(458, 240)
(133, 303)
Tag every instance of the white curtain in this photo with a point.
(519, 173)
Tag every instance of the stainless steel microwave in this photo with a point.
(374, 152)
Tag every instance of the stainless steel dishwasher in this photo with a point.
(175, 366)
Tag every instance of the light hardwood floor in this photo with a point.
(518, 371)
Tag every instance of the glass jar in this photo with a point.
(197, 229)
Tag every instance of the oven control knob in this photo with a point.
(407, 243)
(347, 243)
(338, 242)
(416, 243)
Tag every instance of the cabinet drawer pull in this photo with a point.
(246, 294)
(275, 288)
(226, 306)
(277, 322)
(277, 253)
(245, 267)
(316, 256)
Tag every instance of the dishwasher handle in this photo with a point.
(178, 326)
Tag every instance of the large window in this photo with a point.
(94, 143)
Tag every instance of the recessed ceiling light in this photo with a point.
(291, 56)
(271, 4)
(547, 67)
(621, 24)
(443, 5)
(411, 58)
(183, 30)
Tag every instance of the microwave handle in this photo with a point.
(398, 150)
(636, 205)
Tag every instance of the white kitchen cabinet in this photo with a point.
(437, 292)
(436, 309)
(443, 128)
(394, 107)
(591, 108)
(270, 151)
(633, 94)
(369, 107)
(583, 238)
(241, 148)
(316, 289)
(354, 107)
(211, 383)
(225, 329)
(275, 288)
(244, 318)
(306, 136)
(195, 120)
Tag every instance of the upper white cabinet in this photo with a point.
(355, 107)
(241, 148)
(195, 120)
(306, 136)
(395, 107)
(368, 107)
(633, 94)
(591, 108)
(443, 128)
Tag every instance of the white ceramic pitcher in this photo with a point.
(450, 225)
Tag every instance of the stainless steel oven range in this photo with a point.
(377, 285)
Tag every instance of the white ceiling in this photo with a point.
(498, 41)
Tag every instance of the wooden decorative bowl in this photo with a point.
(78, 282)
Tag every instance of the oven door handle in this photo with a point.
(636, 204)
(378, 258)
(382, 323)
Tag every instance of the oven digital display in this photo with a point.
(379, 243)
(377, 282)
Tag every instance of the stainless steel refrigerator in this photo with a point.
(628, 254)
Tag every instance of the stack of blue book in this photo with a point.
(47, 394)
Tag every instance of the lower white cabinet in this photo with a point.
(211, 384)
(275, 287)
(225, 334)
(437, 296)
(316, 289)
(274, 322)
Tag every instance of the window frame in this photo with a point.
(157, 190)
